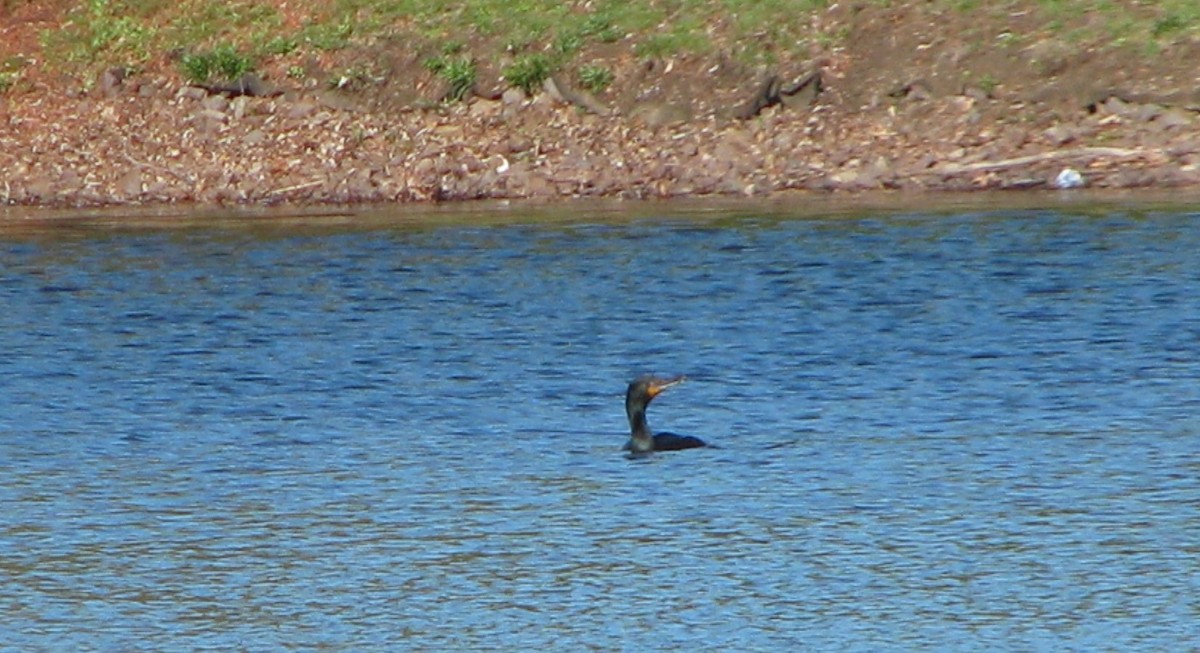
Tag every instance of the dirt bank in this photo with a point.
(908, 99)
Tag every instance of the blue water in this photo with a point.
(965, 431)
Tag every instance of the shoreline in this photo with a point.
(572, 211)
(148, 142)
(907, 97)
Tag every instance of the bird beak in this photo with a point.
(662, 384)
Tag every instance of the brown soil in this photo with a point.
(909, 99)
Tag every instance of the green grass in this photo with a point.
(101, 33)
(595, 78)
(223, 63)
(106, 32)
(101, 26)
(1144, 26)
(328, 36)
(528, 72)
(458, 72)
(12, 69)
(8, 79)
(135, 30)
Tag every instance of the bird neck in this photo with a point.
(640, 437)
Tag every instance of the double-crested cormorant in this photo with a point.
(641, 439)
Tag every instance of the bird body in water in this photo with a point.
(641, 439)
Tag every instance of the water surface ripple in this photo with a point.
(954, 432)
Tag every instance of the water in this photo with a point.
(964, 431)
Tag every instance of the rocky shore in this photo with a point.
(677, 127)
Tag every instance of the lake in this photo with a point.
(969, 428)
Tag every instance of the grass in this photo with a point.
(528, 72)
(8, 79)
(106, 32)
(221, 63)
(124, 31)
(10, 72)
(540, 36)
(328, 36)
(458, 72)
(595, 77)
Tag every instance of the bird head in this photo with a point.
(645, 388)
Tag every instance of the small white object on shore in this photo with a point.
(1069, 178)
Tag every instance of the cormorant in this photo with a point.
(641, 439)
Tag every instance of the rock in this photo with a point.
(238, 106)
(512, 96)
(1049, 57)
(511, 102)
(1174, 118)
(517, 145)
(248, 84)
(301, 109)
(1022, 183)
(659, 114)
(917, 90)
(976, 93)
(1146, 112)
(110, 81)
(1117, 107)
(337, 100)
(215, 102)
(963, 103)
(489, 82)
(801, 92)
(213, 115)
(765, 94)
(192, 93)
(560, 91)
(1059, 134)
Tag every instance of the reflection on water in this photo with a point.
(967, 431)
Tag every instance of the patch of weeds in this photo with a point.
(10, 72)
(482, 18)
(296, 72)
(1169, 24)
(281, 45)
(568, 43)
(595, 78)
(223, 62)
(683, 38)
(528, 72)
(987, 83)
(189, 22)
(99, 26)
(434, 64)
(829, 39)
(459, 73)
(600, 27)
(572, 38)
(9, 79)
(329, 36)
(517, 43)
